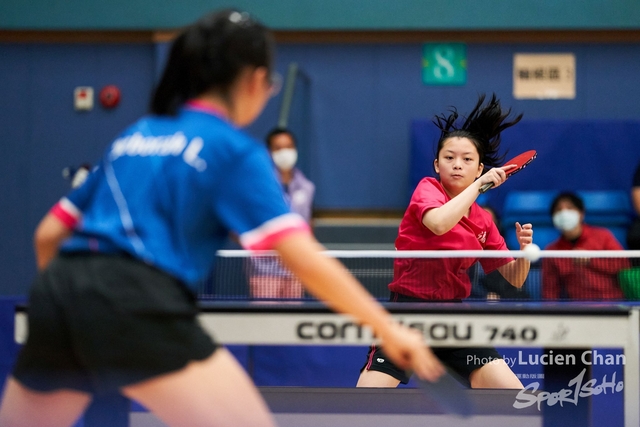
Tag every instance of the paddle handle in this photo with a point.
(486, 187)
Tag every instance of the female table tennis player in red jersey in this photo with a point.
(443, 215)
(114, 308)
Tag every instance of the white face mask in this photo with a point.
(566, 219)
(285, 158)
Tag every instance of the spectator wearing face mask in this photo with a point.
(298, 190)
(580, 278)
(268, 278)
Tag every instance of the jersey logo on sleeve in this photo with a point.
(482, 237)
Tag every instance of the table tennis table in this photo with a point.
(502, 324)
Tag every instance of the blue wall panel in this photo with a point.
(352, 111)
(42, 133)
(15, 104)
(362, 99)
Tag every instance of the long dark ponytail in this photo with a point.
(209, 55)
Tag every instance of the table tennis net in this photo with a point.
(556, 275)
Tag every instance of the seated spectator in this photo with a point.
(580, 278)
(268, 278)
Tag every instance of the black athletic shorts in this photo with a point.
(101, 322)
(462, 361)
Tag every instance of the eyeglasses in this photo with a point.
(275, 84)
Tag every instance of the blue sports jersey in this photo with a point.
(170, 189)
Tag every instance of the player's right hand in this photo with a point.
(496, 176)
(408, 350)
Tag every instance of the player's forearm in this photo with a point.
(328, 280)
(635, 198)
(516, 272)
(441, 220)
(49, 234)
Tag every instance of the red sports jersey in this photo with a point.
(438, 279)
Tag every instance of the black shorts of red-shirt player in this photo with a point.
(461, 361)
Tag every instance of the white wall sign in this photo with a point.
(544, 76)
(83, 98)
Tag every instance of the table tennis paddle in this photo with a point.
(449, 394)
(521, 161)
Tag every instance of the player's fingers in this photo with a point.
(525, 240)
(518, 227)
(401, 345)
(427, 366)
(413, 353)
(403, 357)
(525, 231)
(497, 176)
(525, 235)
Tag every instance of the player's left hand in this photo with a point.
(524, 234)
(408, 350)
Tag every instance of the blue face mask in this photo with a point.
(566, 219)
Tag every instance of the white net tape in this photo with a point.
(577, 274)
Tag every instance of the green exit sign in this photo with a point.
(444, 64)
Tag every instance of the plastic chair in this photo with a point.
(533, 284)
(483, 199)
(528, 206)
(609, 208)
(543, 236)
(620, 234)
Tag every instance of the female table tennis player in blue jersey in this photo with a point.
(113, 308)
(443, 215)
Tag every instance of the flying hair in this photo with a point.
(482, 126)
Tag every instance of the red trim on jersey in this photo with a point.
(443, 278)
(272, 240)
(271, 232)
(66, 212)
(206, 107)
